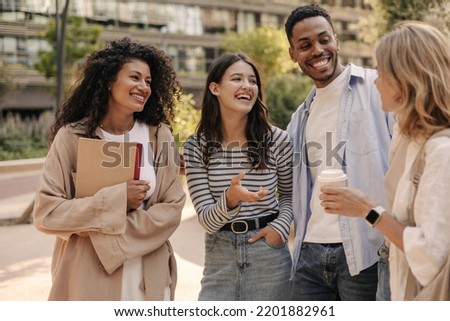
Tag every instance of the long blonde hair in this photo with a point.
(415, 58)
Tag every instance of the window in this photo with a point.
(184, 19)
(219, 20)
(10, 50)
(246, 21)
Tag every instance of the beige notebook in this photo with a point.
(103, 163)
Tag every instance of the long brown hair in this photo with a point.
(257, 131)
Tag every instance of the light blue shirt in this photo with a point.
(367, 132)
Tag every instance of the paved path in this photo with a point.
(25, 253)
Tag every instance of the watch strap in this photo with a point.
(374, 215)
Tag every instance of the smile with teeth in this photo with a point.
(246, 97)
(320, 63)
(141, 98)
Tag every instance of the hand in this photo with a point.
(136, 191)
(345, 201)
(270, 234)
(236, 194)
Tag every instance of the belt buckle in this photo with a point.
(383, 251)
(236, 229)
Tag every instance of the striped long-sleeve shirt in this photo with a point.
(207, 184)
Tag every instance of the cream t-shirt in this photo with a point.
(321, 133)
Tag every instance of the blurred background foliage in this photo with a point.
(24, 138)
(284, 86)
(186, 119)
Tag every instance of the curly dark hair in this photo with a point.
(89, 99)
(257, 132)
(303, 12)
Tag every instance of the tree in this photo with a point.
(284, 89)
(440, 16)
(372, 27)
(6, 81)
(395, 10)
(267, 46)
(386, 13)
(61, 23)
(186, 119)
(284, 95)
(80, 40)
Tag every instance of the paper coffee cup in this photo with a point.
(334, 177)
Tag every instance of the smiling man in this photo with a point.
(340, 125)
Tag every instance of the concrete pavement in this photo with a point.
(25, 253)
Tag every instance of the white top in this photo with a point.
(139, 133)
(427, 245)
(132, 274)
(321, 133)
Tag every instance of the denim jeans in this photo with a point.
(240, 271)
(384, 288)
(322, 275)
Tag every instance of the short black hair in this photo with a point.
(303, 12)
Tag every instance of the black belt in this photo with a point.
(242, 226)
(331, 244)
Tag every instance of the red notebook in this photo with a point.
(103, 163)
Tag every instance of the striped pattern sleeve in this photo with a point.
(282, 151)
(207, 185)
(212, 213)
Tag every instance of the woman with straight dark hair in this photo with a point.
(239, 173)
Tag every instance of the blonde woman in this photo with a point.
(413, 62)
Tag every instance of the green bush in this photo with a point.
(284, 94)
(186, 119)
(24, 138)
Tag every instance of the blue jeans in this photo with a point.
(240, 271)
(322, 275)
(384, 288)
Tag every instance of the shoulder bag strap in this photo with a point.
(412, 285)
(416, 173)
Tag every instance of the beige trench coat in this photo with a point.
(90, 268)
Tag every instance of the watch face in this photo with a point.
(372, 217)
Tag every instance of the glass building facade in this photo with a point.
(190, 31)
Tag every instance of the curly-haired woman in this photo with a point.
(114, 245)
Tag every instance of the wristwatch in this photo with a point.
(374, 215)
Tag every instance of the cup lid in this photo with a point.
(332, 175)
